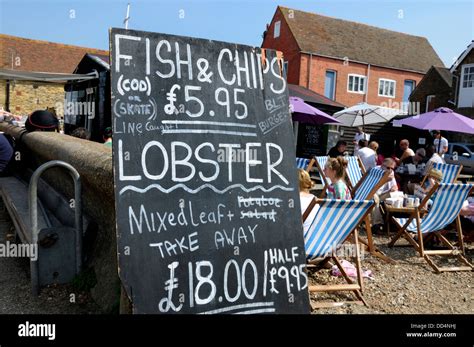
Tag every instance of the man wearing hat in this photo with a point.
(42, 120)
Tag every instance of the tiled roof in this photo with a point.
(445, 74)
(41, 56)
(339, 38)
(310, 96)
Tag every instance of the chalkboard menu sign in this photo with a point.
(311, 140)
(207, 205)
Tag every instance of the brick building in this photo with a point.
(349, 62)
(21, 54)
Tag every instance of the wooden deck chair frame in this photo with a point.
(431, 166)
(385, 178)
(357, 286)
(323, 177)
(310, 165)
(368, 220)
(362, 169)
(458, 252)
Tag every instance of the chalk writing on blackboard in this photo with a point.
(205, 185)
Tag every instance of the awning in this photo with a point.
(310, 96)
(44, 76)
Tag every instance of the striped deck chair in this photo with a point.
(370, 182)
(320, 164)
(334, 223)
(450, 172)
(304, 163)
(445, 209)
(354, 171)
(365, 189)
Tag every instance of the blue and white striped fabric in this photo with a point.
(449, 171)
(302, 163)
(333, 222)
(372, 178)
(322, 163)
(353, 171)
(446, 207)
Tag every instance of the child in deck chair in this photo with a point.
(306, 197)
(335, 170)
(434, 176)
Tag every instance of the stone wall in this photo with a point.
(26, 97)
(93, 161)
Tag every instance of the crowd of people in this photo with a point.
(423, 157)
(334, 170)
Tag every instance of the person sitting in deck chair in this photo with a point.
(335, 170)
(435, 158)
(306, 197)
(434, 176)
(383, 193)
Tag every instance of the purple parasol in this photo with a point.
(442, 118)
(304, 113)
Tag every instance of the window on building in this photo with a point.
(276, 29)
(386, 88)
(430, 103)
(408, 88)
(356, 83)
(468, 77)
(330, 85)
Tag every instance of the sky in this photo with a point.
(448, 24)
